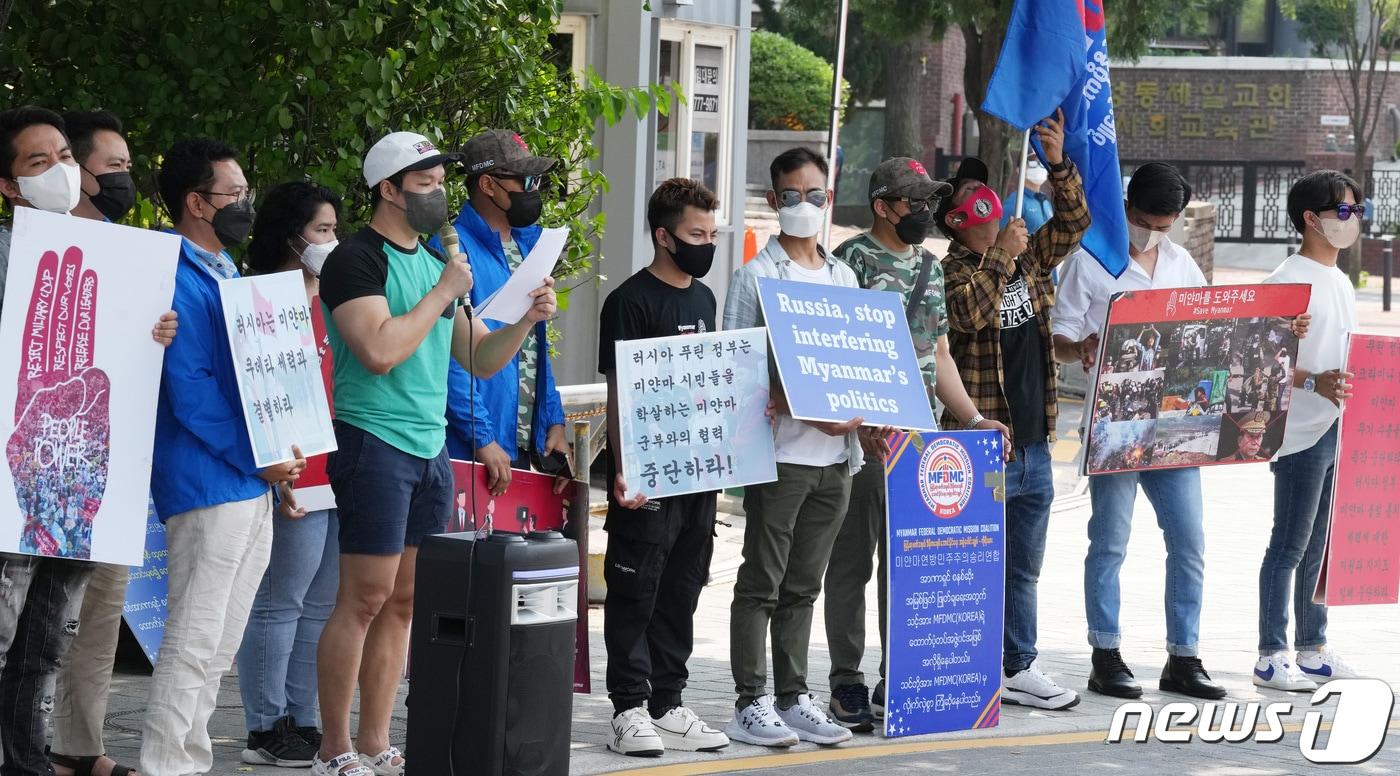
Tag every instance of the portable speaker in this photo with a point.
(492, 650)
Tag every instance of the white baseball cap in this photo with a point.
(400, 151)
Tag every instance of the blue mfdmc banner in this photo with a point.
(844, 353)
(147, 590)
(947, 580)
(1056, 56)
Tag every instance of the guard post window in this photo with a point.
(695, 139)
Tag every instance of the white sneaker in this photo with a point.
(681, 730)
(759, 724)
(635, 736)
(808, 719)
(1324, 665)
(1033, 688)
(1277, 672)
(334, 766)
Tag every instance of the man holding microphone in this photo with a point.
(394, 320)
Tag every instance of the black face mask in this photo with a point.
(232, 223)
(693, 260)
(524, 208)
(913, 228)
(116, 193)
(425, 212)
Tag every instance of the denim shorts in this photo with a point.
(387, 498)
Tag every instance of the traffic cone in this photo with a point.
(750, 244)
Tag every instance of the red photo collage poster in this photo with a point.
(1362, 564)
(1193, 377)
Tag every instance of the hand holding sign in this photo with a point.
(59, 450)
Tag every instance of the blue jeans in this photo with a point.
(1302, 511)
(1175, 495)
(277, 660)
(1030, 487)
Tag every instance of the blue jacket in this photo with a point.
(497, 396)
(1036, 213)
(202, 455)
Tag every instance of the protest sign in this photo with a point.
(313, 490)
(845, 352)
(528, 505)
(512, 300)
(147, 590)
(688, 406)
(947, 578)
(1193, 377)
(1362, 562)
(279, 373)
(80, 300)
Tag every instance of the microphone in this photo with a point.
(452, 248)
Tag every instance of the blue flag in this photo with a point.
(1056, 56)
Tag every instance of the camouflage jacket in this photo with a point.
(879, 269)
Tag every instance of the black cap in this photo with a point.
(503, 150)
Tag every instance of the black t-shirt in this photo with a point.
(1022, 362)
(359, 267)
(645, 306)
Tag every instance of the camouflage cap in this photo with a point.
(1256, 422)
(501, 149)
(905, 177)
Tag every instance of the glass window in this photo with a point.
(1253, 26)
(705, 126)
(668, 65)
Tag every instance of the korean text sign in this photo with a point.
(80, 301)
(947, 580)
(279, 371)
(1193, 377)
(689, 406)
(1362, 564)
(845, 353)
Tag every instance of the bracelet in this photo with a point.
(973, 421)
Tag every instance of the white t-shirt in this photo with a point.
(1333, 309)
(797, 442)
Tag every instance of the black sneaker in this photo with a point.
(280, 746)
(311, 735)
(877, 701)
(850, 708)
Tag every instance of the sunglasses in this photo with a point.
(793, 197)
(1345, 211)
(915, 205)
(529, 182)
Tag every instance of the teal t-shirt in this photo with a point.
(406, 407)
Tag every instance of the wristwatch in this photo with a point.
(973, 421)
(1310, 384)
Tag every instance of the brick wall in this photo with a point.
(942, 78)
(1232, 108)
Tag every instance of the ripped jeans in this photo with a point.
(39, 603)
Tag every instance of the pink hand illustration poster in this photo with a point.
(279, 370)
(80, 300)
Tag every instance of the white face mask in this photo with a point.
(1341, 234)
(1143, 239)
(56, 189)
(1036, 175)
(314, 257)
(802, 220)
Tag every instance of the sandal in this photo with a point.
(333, 768)
(382, 764)
(82, 766)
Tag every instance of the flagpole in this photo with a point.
(835, 130)
(1021, 190)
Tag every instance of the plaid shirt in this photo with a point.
(973, 287)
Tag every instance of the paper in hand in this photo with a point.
(512, 301)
